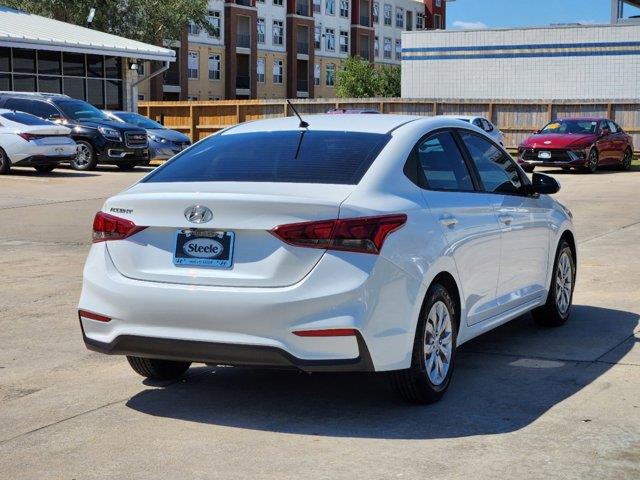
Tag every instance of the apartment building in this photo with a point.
(287, 48)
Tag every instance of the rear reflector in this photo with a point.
(333, 332)
(109, 227)
(362, 234)
(93, 316)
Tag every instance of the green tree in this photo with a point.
(148, 21)
(389, 80)
(357, 78)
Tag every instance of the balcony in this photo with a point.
(246, 3)
(243, 40)
(303, 47)
(243, 82)
(303, 85)
(302, 8)
(364, 20)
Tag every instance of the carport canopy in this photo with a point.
(19, 29)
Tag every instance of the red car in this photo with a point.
(585, 143)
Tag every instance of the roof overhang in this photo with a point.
(22, 30)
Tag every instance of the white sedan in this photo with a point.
(343, 243)
(485, 125)
(29, 141)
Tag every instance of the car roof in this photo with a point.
(584, 119)
(366, 123)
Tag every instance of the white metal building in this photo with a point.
(600, 62)
(39, 54)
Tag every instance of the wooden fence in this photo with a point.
(517, 119)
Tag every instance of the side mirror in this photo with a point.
(535, 132)
(604, 132)
(544, 184)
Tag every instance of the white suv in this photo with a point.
(356, 243)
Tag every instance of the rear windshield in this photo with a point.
(25, 118)
(287, 157)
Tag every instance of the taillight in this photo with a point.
(109, 227)
(363, 234)
(28, 136)
(93, 316)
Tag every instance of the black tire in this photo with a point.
(157, 369)
(5, 163)
(86, 158)
(626, 160)
(414, 384)
(592, 161)
(550, 314)
(127, 165)
(45, 168)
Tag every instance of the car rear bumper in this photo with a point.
(254, 326)
(227, 353)
(37, 160)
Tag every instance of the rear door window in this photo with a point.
(299, 156)
(443, 165)
(19, 104)
(497, 170)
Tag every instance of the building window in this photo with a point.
(278, 34)
(344, 8)
(387, 14)
(214, 21)
(192, 65)
(419, 21)
(438, 3)
(316, 74)
(437, 22)
(316, 6)
(344, 41)
(214, 67)
(376, 47)
(141, 97)
(387, 47)
(277, 3)
(277, 71)
(330, 37)
(261, 27)
(331, 75)
(259, 1)
(376, 12)
(193, 98)
(399, 17)
(317, 37)
(260, 70)
(398, 50)
(193, 29)
(330, 7)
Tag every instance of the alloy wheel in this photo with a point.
(564, 283)
(83, 157)
(438, 343)
(626, 160)
(592, 164)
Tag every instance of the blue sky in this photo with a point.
(523, 13)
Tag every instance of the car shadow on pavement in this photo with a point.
(59, 172)
(504, 381)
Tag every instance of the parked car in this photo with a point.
(100, 139)
(28, 141)
(585, 143)
(345, 246)
(485, 125)
(163, 143)
(351, 111)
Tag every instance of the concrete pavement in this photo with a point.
(525, 402)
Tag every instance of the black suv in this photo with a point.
(99, 139)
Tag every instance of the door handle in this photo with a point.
(449, 221)
(506, 219)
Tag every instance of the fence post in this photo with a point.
(192, 125)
